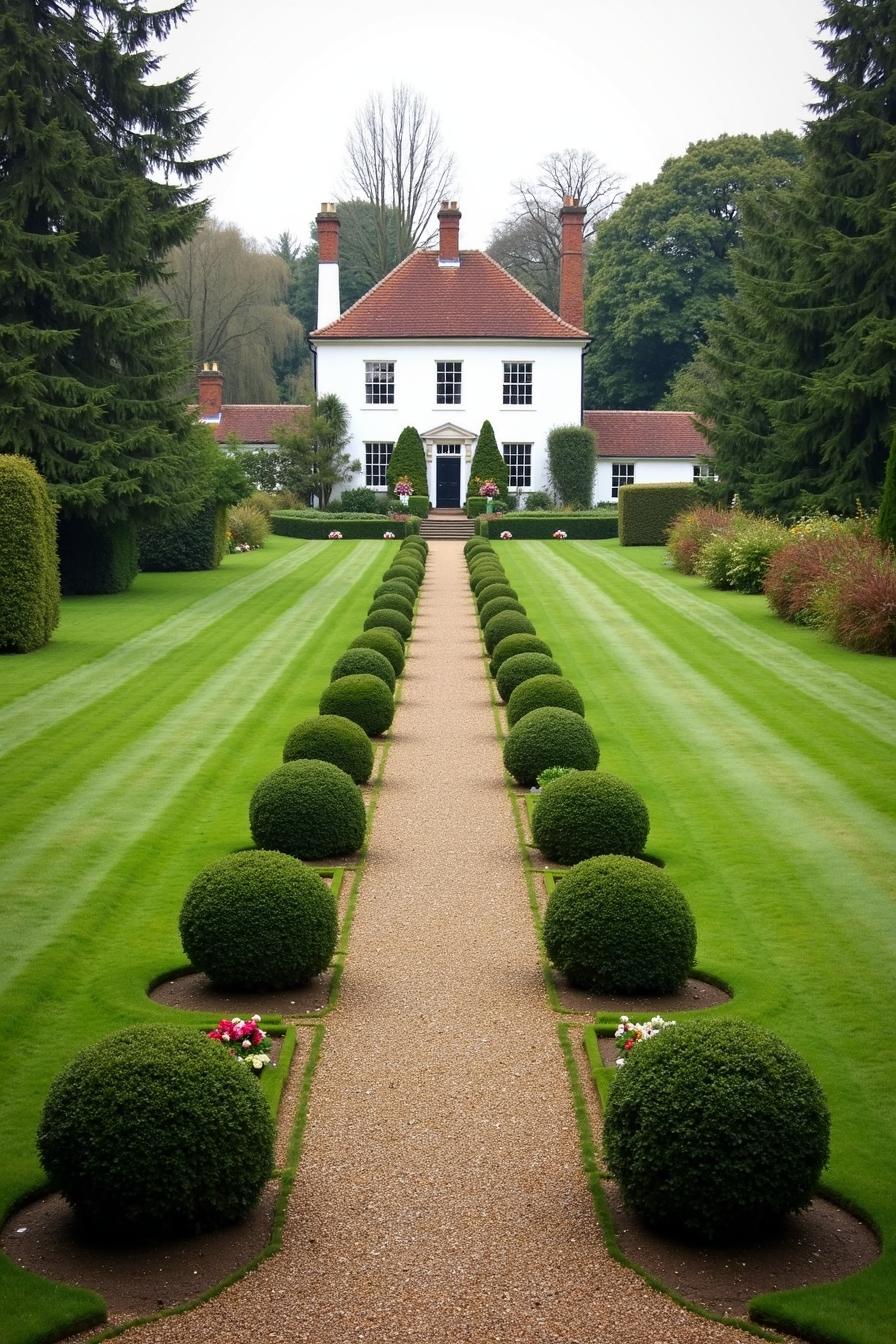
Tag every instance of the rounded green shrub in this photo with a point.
(515, 644)
(479, 559)
(406, 590)
(354, 661)
(259, 920)
(411, 563)
(716, 1130)
(310, 809)
(480, 564)
(486, 579)
(29, 564)
(406, 574)
(330, 737)
(521, 667)
(135, 1131)
(494, 590)
(476, 544)
(498, 604)
(618, 925)
(365, 700)
(393, 602)
(386, 618)
(387, 642)
(504, 624)
(545, 689)
(415, 544)
(586, 813)
(546, 737)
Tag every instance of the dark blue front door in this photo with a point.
(447, 482)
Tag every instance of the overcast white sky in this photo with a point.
(635, 81)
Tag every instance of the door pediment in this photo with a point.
(449, 433)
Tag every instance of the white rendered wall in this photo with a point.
(556, 394)
(327, 292)
(648, 471)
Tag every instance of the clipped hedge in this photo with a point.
(130, 1160)
(392, 602)
(716, 1130)
(476, 506)
(476, 545)
(504, 624)
(541, 526)
(368, 661)
(572, 462)
(97, 557)
(407, 559)
(354, 527)
(515, 644)
(364, 699)
(587, 813)
(310, 809)
(497, 605)
(494, 590)
(520, 667)
(646, 512)
(387, 642)
(259, 920)
(406, 573)
(29, 564)
(391, 619)
(418, 505)
(197, 542)
(618, 925)
(538, 691)
(333, 738)
(549, 736)
(399, 586)
(483, 576)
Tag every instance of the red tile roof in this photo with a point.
(622, 434)
(422, 300)
(255, 424)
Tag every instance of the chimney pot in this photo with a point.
(449, 234)
(328, 233)
(211, 392)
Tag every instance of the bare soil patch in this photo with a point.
(696, 994)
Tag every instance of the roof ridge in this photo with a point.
(418, 251)
(579, 331)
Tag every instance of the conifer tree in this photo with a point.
(488, 464)
(408, 459)
(886, 523)
(96, 186)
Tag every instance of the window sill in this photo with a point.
(519, 408)
(380, 406)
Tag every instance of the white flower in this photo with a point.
(225, 1035)
(256, 1017)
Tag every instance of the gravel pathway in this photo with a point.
(441, 1196)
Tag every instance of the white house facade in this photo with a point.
(445, 341)
(645, 448)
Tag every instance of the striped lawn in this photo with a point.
(130, 748)
(766, 758)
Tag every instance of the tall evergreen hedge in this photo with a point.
(97, 557)
(572, 461)
(29, 565)
(408, 459)
(646, 511)
(886, 523)
(488, 464)
(195, 543)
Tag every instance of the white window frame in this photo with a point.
(704, 472)
(377, 381)
(517, 468)
(456, 382)
(515, 369)
(373, 463)
(621, 473)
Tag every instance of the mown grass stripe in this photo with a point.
(837, 691)
(31, 714)
(673, 684)
(79, 841)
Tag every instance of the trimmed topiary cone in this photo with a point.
(288, 937)
(365, 700)
(368, 661)
(587, 813)
(716, 1130)
(310, 809)
(330, 737)
(545, 689)
(616, 925)
(387, 642)
(521, 667)
(549, 737)
(514, 644)
(135, 1129)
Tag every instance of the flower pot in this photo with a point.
(489, 506)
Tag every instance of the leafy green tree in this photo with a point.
(488, 463)
(661, 264)
(96, 187)
(803, 356)
(408, 459)
(312, 457)
(572, 462)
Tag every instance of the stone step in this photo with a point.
(458, 528)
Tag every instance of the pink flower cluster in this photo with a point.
(334, 536)
(388, 536)
(507, 536)
(239, 1036)
(489, 490)
(559, 535)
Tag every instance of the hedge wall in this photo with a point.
(29, 566)
(476, 505)
(418, 505)
(645, 511)
(353, 526)
(97, 557)
(529, 526)
(196, 543)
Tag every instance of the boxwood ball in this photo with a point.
(549, 736)
(135, 1129)
(514, 644)
(494, 590)
(393, 620)
(521, 667)
(259, 920)
(587, 813)
(504, 624)
(405, 590)
(364, 699)
(498, 604)
(310, 809)
(387, 642)
(619, 925)
(392, 602)
(370, 661)
(544, 689)
(330, 737)
(716, 1129)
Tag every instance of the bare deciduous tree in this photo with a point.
(528, 243)
(233, 295)
(397, 162)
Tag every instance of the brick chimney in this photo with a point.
(572, 262)
(328, 305)
(211, 392)
(449, 234)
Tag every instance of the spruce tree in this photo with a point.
(488, 464)
(96, 187)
